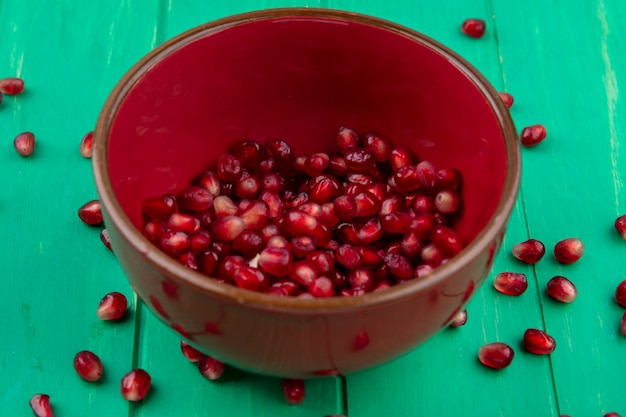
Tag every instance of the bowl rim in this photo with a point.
(228, 293)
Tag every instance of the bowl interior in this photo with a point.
(300, 78)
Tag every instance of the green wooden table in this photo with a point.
(564, 61)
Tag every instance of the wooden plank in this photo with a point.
(444, 377)
(55, 270)
(565, 65)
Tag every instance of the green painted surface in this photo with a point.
(564, 63)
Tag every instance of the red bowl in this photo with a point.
(299, 74)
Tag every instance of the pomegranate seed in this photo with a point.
(210, 181)
(422, 270)
(175, 243)
(569, 250)
(407, 178)
(11, 86)
(379, 146)
(530, 251)
(179, 222)
(474, 28)
(302, 245)
(391, 205)
(395, 222)
(323, 261)
(448, 179)
(532, 135)
(362, 278)
(316, 163)
(210, 368)
(538, 342)
(40, 404)
(86, 145)
(344, 207)
(447, 201)
(195, 198)
(507, 99)
(278, 242)
(88, 366)
(248, 152)
(256, 215)
(427, 176)
(445, 238)
(227, 228)
(322, 287)
(200, 241)
(623, 324)
(303, 272)
(160, 208)
(192, 354)
(347, 139)
(400, 156)
(208, 263)
(104, 238)
(620, 226)
(460, 319)
(189, 260)
(297, 222)
(337, 166)
(293, 390)
(510, 283)
(370, 232)
(229, 168)
(359, 159)
(324, 188)
(153, 231)
(91, 213)
(367, 204)
(275, 261)
(248, 187)
(135, 385)
(562, 289)
(359, 178)
(349, 256)
(24, 143)
(496, 355)
(273, 182)
(280, 151)
(249, 243)
(398, 266)
(432, 255)
(112, 306)
(250, 278)
(620, 294)
(612, 414)
(411, 246)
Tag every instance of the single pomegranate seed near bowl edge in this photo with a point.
(507, 99)
(510, 283)
(210, 368)
(91, 213)
(569, 250)
(496, 355)
(538, 342)
(620, 294)
(530, 251)
(293, 390)
(561, 289)
(88, 366)
(620, 226)
(192, 354)
(474, 28)
(460, 319)
(533, 135)
(112, 306)
(135, 385)
(40, 404)
(86, 145)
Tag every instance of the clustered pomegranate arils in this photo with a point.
(361, 219)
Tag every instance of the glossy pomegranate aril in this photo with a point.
(104, 238)
(229, 168)
(407, 178)
(112, 306)
(506, 98)
(447, 201)
(200, 241)
(91, 213)
(510, 283)
(533, 135)
(280, 151)
(11, 86)
(302, 245)
(359, 159)
(538, 342)
(40, 404)
(195, 198)
(175, 243)
(179, 222)
(530, 251)
(88, 366)
(189, 352)
(474, 28)
(367, 204)
(303, 272)
(398, 266)
(446, 239)
(248, 152)
(316, 163)
(249, 243)
(250, 278)
(322, 287)
(210, 368)
(209, 181)
(361, 278)
(86, 145)
(623, 324)
(379, 146)
(448, 179)
(496, 355)
(411, 246)
(432, 255)
(347, 139)
(275, 261)
(561, 289)
(135, 385)
(293, 390)
(620, 293)
(460, 319)
(227, 228)
(349, 256)
(396, 222)
(569, 250)
(160, 207)
(370, 232)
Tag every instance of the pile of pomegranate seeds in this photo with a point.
(569, 250)
(88, 366)
(510, 283)
(112, 306)
(293, 390)
(40, 404)
(358, 220)
(538, 342)
(135, 385)
(474, 28)
(561, 289)
(24, 143)
(532, 135)
(496, 355)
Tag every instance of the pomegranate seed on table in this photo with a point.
(112, 306)
(24, 143)
(620, 226)
(91, 213)
(623, 324)
(86, 145)
(104, 238)
(474, 28)
(40, 404)
(496, 355)
(561, 289)
(507, 99)
(538, 342)
(612, 414)
(533, 135)
(88, 366)
(189, 352)
(510, 283)
(210, 368)
(293, 390)
(530, 251)
(135, 385)
(620, 294)
(11, 86)
(460, 319)
(569, 250)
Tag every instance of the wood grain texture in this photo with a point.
(563, 62)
